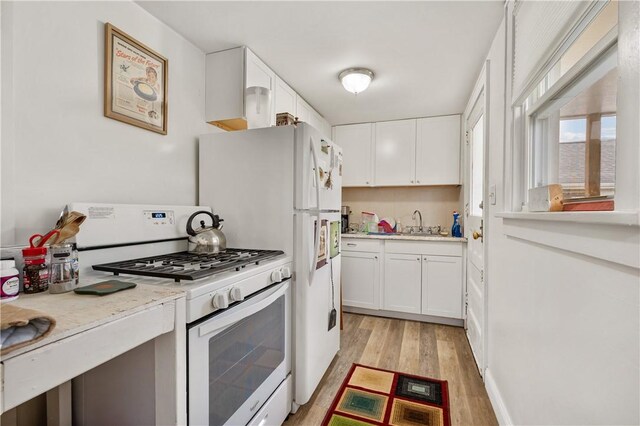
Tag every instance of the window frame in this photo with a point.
(527, 106)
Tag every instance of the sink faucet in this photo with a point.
(414, 218)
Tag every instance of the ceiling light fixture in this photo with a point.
(356, 80)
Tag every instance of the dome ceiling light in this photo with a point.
(356, 80)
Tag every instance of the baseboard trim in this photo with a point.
(405, 316)
(497, 402)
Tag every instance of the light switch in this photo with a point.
(492, 194)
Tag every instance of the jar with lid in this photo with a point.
(35, 276)
(64, 268)
(10, 283)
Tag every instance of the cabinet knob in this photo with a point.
(375, 257)
(418, 259)
(367, 182)
(417, 181)
(411, 181)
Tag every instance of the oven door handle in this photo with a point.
(255, 304)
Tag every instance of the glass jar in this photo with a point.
(10, 283)
(64, 268)
(35, 276)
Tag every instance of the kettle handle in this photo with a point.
(190, 230)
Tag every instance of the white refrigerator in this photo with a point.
(280, 188)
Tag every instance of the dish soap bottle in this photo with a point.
(455, 229)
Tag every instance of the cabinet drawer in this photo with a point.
(274, 412)
(433, 248)
(354, 244)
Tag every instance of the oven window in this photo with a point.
(242, 357)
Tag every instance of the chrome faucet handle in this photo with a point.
(421, 229)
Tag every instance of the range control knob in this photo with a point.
(236, 295)
(276, 276)
(286, 272)
(220, 301)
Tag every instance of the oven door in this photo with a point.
(239, 357)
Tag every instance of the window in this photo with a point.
(573, 156)
(569, 118)
(574, 133)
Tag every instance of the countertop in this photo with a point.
(76, 313)
(405, 237)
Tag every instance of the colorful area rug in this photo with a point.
(371, 396)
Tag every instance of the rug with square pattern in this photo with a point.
(371, 396)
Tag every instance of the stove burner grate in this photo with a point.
(188, 266)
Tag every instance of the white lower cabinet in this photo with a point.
(442, 286)
(424, 278)
(402, 283)
(361, 279)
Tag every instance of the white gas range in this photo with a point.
(238, 306)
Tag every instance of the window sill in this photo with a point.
(608, 236)
(621, 218)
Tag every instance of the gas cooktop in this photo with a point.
(189, 266)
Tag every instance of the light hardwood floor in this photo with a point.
(437, 351)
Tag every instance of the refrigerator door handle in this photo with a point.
(316, 247)
(316, 172)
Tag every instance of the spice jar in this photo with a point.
(35, 276)
(10, 283)
(64, 268)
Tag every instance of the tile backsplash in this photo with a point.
(436, 203)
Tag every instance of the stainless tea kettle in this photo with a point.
(206, 240)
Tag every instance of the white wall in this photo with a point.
(563, 328)
(57, 146)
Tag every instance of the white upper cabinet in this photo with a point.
(438, 151)
(395, 148)
(258, 73)
(285, 98)
(228, 74)
(421, 152)
(303, 110)
(356, 142)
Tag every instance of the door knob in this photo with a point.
(477, 235)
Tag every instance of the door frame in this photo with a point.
(481, 87)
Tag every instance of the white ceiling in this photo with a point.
(425, 55)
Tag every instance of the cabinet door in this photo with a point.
(442, 286)
(356, 141)
(395, 144)
(438, 151)
(315, 120)
(402, 283)
(360, 280)
(303, 110)
(259, 74)
(285, 98)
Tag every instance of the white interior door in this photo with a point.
(476, 315)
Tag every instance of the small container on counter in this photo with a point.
(35, 274)
(10, 282)
(64, 268)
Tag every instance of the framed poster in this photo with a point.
(136, 80)
(322, 247)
